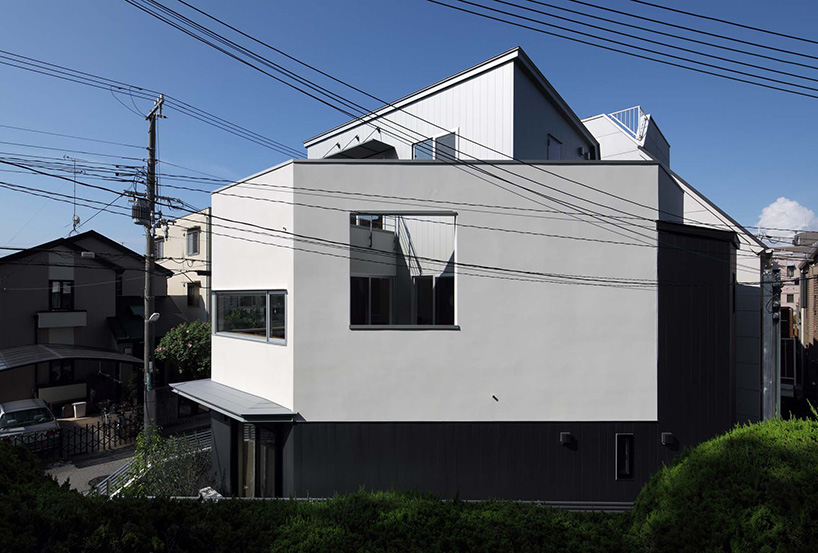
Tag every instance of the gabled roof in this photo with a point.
(72, 242)
(516, 55)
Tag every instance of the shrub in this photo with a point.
(187, 346)
(752, 489)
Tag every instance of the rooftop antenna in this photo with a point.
(75, 220)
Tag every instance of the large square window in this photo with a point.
(402, 270)
(254, 315)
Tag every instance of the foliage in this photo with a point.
(245, 318)
(167, 466)
(752, 489)
(187, 346)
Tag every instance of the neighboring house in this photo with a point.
(422, 320)
(185, 250)
(71, 319)
(632, 134)
(808, 270)
(805, 246)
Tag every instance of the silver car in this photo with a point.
(28, 421)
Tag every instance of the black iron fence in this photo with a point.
(69, 441)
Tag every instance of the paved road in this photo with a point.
(82, 470)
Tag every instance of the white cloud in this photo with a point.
(786, 214)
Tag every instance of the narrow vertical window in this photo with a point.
(624, 456)
(159, 248)
(193, 241)
(554, 148)
(278, 318)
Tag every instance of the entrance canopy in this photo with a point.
(234, 403)
(21, 356)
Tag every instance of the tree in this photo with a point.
(187, 347)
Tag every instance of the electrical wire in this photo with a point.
(726, 22)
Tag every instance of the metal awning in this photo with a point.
(232, 402)
(21, 356)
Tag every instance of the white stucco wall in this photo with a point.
(546, 351)
(245, 260)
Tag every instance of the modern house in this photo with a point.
(459, 293)
(185, 250)
(632, 134)
(72, 316)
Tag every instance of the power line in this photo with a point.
(347, 247)
(224, 41)
(692, 30)
(726, 22)
(655, 42)
(677, 36)
(73, 137)
(80, 77)
(632, 54)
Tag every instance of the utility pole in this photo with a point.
(150, 231)
(771, 339)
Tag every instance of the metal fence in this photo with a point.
(70, 441)
(111, 486)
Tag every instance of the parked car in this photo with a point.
(28, 422)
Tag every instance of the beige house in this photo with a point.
(185, 250)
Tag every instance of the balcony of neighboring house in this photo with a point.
(61, 312)
(402, 271)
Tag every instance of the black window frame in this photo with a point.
(552, 139)
(66, 300)
(66, 367)
(368, 304)
(159, 248)
(624, 456)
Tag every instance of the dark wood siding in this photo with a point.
(696, 332)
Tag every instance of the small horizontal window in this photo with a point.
(255, 315)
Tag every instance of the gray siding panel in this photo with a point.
(506, 460)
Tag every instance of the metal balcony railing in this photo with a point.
(633, 120)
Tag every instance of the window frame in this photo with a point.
(628, 440)
(267, 335)
(63, 364)
(159, 248)
(550, 138)
(62, 294)
(190, 286)
(434, 138)
(193, 231)
(390, 303)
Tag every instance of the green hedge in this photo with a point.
(753, 489)
(39, 515)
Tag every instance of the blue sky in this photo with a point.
(742, 146)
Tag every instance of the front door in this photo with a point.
(257, 461)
